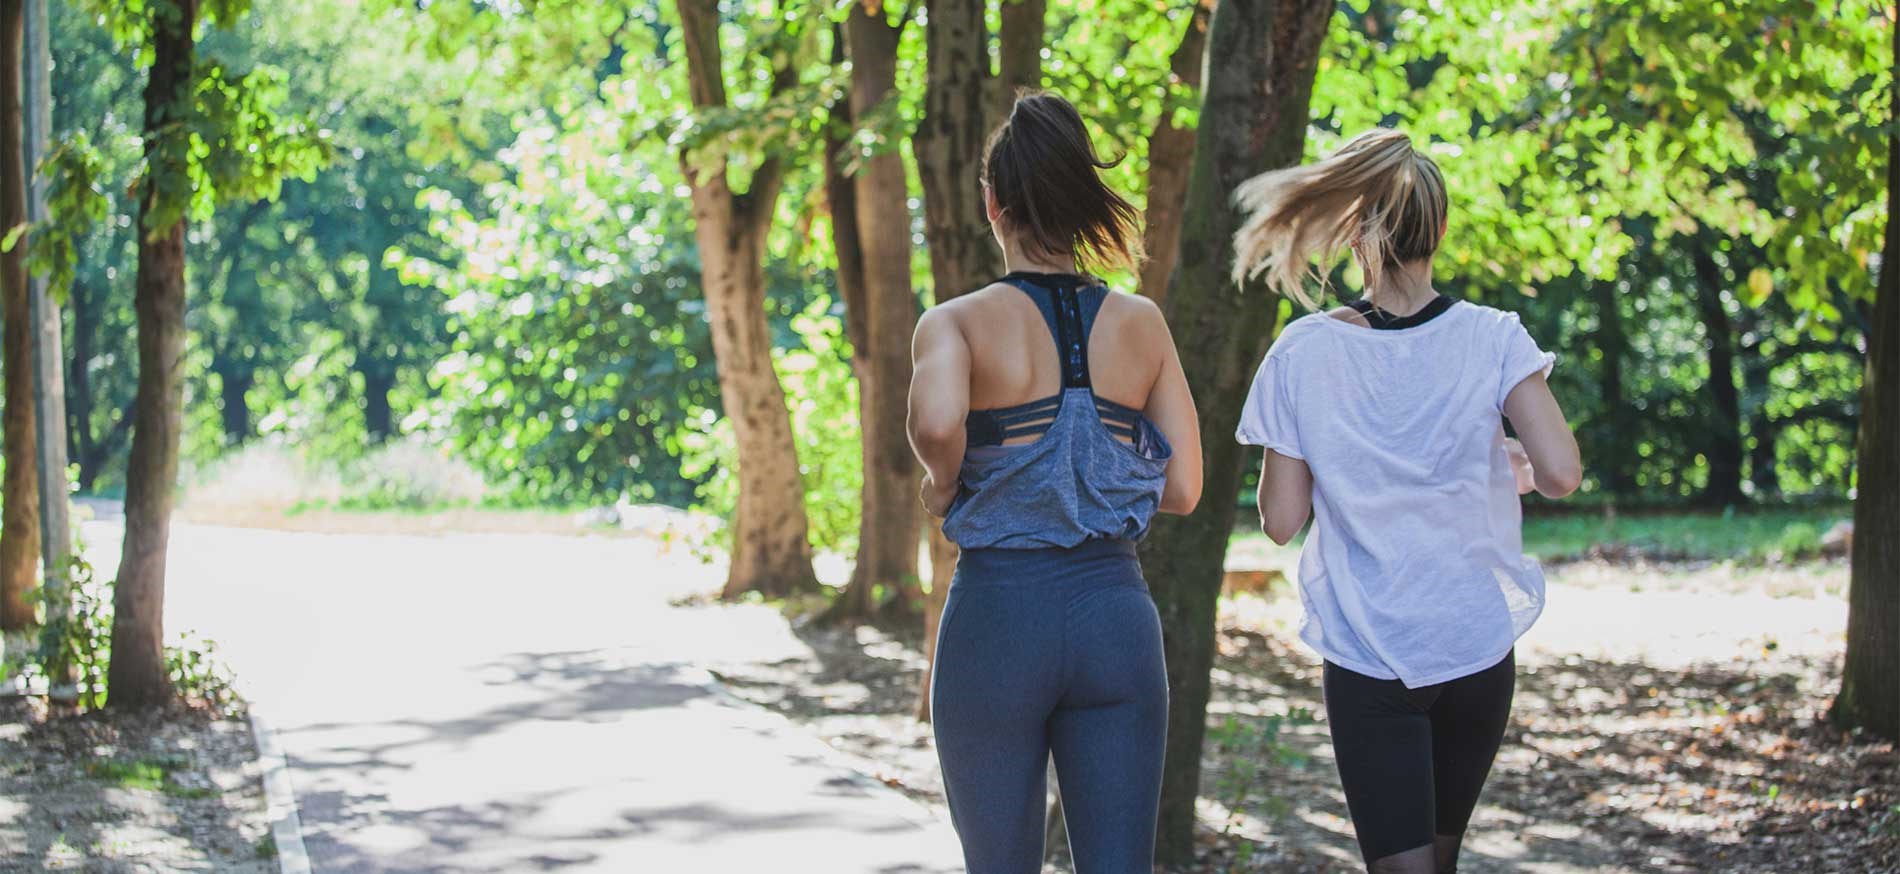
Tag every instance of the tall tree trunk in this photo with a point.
(1724, 451)
(79, 379)
(234, 406)
(1253, 119)
(136, 676)
(948, 145)
(771, 547)
(1019, 49)
(1870, 679)
(1613, 343)
(20, 503)
(1170, 153)
(49, 384)
(890, 514)
(379, 379)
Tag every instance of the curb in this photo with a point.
(280, 801)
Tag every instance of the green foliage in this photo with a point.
(1248, 748)
(79, 636)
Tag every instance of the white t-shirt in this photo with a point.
(1415, 567)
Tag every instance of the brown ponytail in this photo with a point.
(1042, 170)
(1377, 195)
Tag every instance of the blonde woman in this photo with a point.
(1384, 420)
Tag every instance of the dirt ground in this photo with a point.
(171, 791)
(1635, 746)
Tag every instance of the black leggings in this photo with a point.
(1413, 760)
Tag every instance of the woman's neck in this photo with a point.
(1405, 290)
(1016, 259)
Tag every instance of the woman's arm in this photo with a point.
(939, 404)
(1171, 409)
(1285, 496)
(1556, 467)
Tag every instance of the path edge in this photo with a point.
(280, 800)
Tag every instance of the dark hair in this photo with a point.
(1041, 168)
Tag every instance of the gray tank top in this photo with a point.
(1096, 468)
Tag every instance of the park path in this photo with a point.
(519, 702)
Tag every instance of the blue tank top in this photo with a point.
(1096, 468)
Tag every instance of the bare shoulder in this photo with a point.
(1138, 311)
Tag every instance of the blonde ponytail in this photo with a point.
(1376, 195)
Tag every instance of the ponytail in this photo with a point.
(1042, 170)
(1377, 195)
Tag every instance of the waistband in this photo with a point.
(1110, 560)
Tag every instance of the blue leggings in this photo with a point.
(1051, 651)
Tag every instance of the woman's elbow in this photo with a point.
(1179, 503)
(1561, 481)
(929, 434)
(1279, 532)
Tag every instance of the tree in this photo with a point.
(771, 552)
(1170, 154)
(207, 135)
(882, 311)
(948, 145)
(20, 515)
(1253, 119)
(1870, 689)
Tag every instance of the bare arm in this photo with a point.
(1171, 409)
(1285, 496)
(1556, 466)
(939, 403)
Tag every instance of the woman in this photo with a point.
(1385, 420)
(1052, 421)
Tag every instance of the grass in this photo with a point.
(150, 775)
(1754, 536)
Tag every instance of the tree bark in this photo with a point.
(771, 547)
(1253, 119)
(379, 379)
(1019, 49)
(49, 384)
(20, 504)
(1724, 451)
(1170, 153)
(136, 677)
(79, 381)
(1870, 678)
(948, 145)
(890, 515)
(1614, 344)
(234, 406)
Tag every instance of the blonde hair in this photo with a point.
(1377, 195)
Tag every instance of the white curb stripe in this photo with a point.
(280, 801)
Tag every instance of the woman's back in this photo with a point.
(1013, 358)
(1059, 449)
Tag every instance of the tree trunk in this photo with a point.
(891, 515)
(20, 503)
(234, 405)
(1253, 119)
(79, 381)
(771, 547)
(1019, 50)
(1170, 152)
(379, 379)
(49, 384)
(1870, 678)
(948, 145)
(1614, 344)
(1724, 451)
(136, 676)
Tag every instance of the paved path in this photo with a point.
(524, 703)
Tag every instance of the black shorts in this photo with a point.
(1414, 760)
